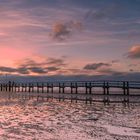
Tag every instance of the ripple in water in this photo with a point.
(53, 120)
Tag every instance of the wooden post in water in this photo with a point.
(106, 100)
(15, 86)
(29, 90)
(63, 88)
(76, 87)
(37, 87)
(22, 87)
(12, 89)
(59, 87)
(90, 88)
(71, 86)
(52, 87)
(104, 88)
(9, 86)
(86, 88)
(107, 88)
(124, 88)
(90, 100)
(32, 87)
(19, 87)
(126, 100)
(127, 88)
(47, 87)
(6, 87)
(59, 98)
(42, 87)
(1, 87)
(25, 87)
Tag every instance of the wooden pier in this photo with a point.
(109, 91)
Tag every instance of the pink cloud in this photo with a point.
(134, 52)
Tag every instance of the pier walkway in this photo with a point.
(89, 91)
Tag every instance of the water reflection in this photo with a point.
(53, 120)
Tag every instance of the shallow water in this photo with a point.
(53, 120)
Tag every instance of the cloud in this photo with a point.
(131, 70)
(62, 31)
(7, 69)
(29, 63)
(38, 70)
(22, 70)
(52, 68)
(42, 66)
(104, 12)
(110, 71)
(14, 70)
(39, 63)
(115, 61)
(96, 66)
(103, 69)
(55, 62)
(134, 52)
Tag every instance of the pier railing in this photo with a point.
(72, 85)
(75, 89)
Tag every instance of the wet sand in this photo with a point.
(52, 120)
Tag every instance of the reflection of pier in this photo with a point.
(80, 90)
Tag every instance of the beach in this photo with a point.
(26, 119)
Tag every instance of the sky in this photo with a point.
(70, 37)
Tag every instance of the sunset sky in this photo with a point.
(69, 37)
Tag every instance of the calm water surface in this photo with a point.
(52, 120)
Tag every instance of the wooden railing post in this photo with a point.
(52, 87)
(59, 87)
(71, 86)
(86, 88)
(9, 86)
(107, 87)
(104, 88)
(124, 88)
(127, 88)
(47, 87)
(76, 88)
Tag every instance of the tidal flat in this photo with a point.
(24, 119)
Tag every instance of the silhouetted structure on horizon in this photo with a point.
(76, 90)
